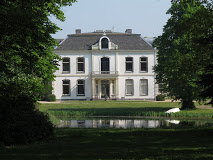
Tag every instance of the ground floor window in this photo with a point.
(80, 87)
(129, 87)
(144, 87)
(66, 87)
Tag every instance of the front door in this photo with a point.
(104, 88)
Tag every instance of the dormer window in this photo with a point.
(104, 43)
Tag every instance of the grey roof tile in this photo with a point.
(84, 41)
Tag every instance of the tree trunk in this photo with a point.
(187, 104)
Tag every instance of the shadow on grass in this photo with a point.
(119, 144)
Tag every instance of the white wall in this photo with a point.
(136, 75)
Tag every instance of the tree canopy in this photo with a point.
(185, 50)
(27, 64)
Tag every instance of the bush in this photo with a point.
(21, 123)
(51, 98)
(160, 97)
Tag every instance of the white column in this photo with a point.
(110, 88)
(93, 88)
(117, 88)
(99, 88)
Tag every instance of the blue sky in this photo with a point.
(145, 17)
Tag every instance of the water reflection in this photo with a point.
(129, 123)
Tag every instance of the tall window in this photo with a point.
(143, 64)
(80, 87)
(66, 65)
(143, 87)
(66, 87)
(129, 64)
(80, 64)
(104, 43)
(129, 87)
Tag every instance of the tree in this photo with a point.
(26, 64)
(182, 58)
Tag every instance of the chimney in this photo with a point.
(77, 31)
(128, 31)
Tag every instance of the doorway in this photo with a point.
(105, 89)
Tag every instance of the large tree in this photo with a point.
(26, 64)
(183, 56)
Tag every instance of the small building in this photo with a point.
(105, 64)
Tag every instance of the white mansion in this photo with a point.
(105, 64)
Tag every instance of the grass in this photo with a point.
(119, 108)
(117, 144)
(108, 144)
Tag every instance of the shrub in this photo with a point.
(51, 98)
(160, 97)
(21, 123)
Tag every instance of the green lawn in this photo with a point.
(96, 144)
(149, 144)
(119, 108)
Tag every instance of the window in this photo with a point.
(143, 64)
(129, 87)
(143, 87)
(105, 65)
(80, 88)
(129, 64)
(80, 64)
(66, 87)
(66, 65)
(104, 43)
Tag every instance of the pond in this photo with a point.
(103, 122)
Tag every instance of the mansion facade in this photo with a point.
(105, 64)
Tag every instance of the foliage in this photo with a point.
(51, 98)
(183, 53)
(27, 64)
(160, 97)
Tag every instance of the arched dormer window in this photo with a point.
(104, 43)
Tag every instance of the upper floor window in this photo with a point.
(80, 64)
(66, 64)
(144, 87)
(129, 64)
(104, 43)
(80, 87)
(143, 64)
(129, 87)
(66, 87)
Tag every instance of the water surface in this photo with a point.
(132, 123)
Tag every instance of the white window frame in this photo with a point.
(81, 85)
(141, 87)
(146, 62)
(65, 85)
(129, 85)
(80, 63)
(65, 63)
(129, 62)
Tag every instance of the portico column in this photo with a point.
(110, 88)
(93, 88)
(117, 88)
(99, 88)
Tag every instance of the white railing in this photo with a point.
(105, 72)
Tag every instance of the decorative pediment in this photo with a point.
(112, 46)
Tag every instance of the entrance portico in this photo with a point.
(104, 87)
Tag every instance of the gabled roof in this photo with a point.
(84, 41)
